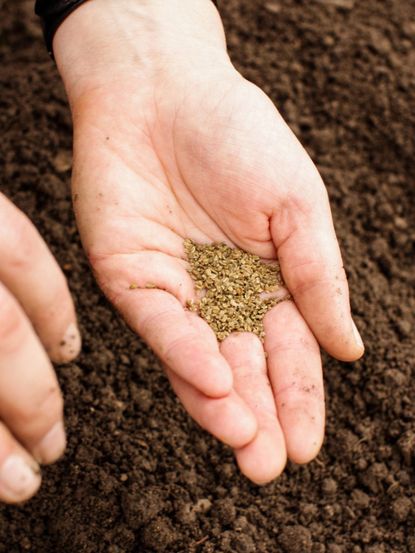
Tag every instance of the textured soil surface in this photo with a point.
(139, 475)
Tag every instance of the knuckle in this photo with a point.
(306, 275)
(60, 285)
(51, 401)
(301, 389)
(293, 208)
(55, 302)
(150, 323)
(292, 345)
(215, 413)
(254, 371)
(98, 259)
(180, 346)
(311, 273)
(12, 322)
(20, 240)
(43, 409)
(305, 200)
(6, 441)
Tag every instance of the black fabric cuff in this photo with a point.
(53, 12)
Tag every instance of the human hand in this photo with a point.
(37, 322)
(170, 142)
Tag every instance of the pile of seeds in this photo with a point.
(233, 284)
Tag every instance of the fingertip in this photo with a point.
(350, 356)
(261, 461)
(348, 346)
(244, 429)
(20, 478)
(231, 421)
(348, 353)
(218, 380)
(69, 346)
(52, 446)
(305, 438)
(359, 345)
(306, 454)
(228, 418)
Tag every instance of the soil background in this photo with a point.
(139, 475)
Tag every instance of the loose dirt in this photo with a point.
(139, 475)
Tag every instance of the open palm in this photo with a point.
(212, 160)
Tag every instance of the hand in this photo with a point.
(37, 322)
(173, 144)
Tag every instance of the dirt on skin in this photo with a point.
(139, 475)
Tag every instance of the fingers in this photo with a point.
(264, 458)
(19, 472)
(311, 263)
(32, 275)
(30, 401)
(295, 372)
(229, 419)
(183, 341)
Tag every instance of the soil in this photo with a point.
(139, 475)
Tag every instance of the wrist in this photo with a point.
(104, 40)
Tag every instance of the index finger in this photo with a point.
(188, 349)
(32, 275)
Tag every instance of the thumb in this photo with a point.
(312, 266)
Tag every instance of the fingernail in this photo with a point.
(70, 345)
(52, 445)
(357, 337)
(19, 478)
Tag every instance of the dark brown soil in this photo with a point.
(139, 475)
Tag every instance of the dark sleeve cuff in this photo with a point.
(53, 12)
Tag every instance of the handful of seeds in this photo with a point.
(234, 284)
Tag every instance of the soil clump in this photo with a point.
(139, 475)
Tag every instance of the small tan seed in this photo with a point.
(233, 281)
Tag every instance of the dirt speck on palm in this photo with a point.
(137, 469)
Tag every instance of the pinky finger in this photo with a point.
(19, 473)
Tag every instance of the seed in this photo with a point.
(233, 281)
